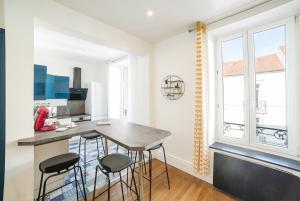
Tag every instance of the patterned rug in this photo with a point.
(68, 193)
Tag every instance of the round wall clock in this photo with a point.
(172, 87)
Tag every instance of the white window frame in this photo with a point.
(220, 87)
(292, 83)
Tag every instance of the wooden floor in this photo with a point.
(184, 187)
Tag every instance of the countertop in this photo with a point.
(129, 135)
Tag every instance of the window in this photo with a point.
(270, 80)
(257, 95)
(233, 87)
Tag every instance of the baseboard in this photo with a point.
(181, 164)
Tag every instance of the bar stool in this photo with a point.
(150, 166)
(59, 165)
(135, 158)
(87, 137)
(114, 163)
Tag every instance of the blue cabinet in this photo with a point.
(57, 87)
(40, 75)
(50, 87)
(61, 87)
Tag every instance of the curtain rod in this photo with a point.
(233, 14)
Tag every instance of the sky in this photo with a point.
(265, 42)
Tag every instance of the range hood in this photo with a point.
(77, 93)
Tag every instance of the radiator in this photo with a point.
(252, 182)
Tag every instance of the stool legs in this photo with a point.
(121, 185)
(102, 145)
(144, 161)
(127, 168)
(136, 190)
(53, 175)
(109, 186)
(75, 175)
(44, 189)
(150, 174)
(40, 188)
(84, 157)
(83, 185)
(97, 148)
(166, 165)
(84, 161)
(95, 182)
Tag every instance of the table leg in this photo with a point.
(105, 147)
(140, 176)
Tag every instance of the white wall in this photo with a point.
(1, 13)
(175, 56)
(19, 99)
(138, 89)
(91, 71)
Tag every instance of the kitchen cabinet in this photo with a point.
(57, 87)
(61, 87)
(40, 77)
(50, 87)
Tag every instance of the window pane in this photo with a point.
(233, 88)
(270, 59)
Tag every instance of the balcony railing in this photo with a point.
(279, 135)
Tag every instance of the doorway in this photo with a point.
(118, 89)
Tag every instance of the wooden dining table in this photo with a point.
(132, 136)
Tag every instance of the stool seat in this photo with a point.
(59, 163)
(90, 136)
(115, 162)
(155, 147)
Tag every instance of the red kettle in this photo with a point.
(39, 125)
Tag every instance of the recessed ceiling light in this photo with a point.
(149, 13)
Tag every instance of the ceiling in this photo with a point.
(170, 16)
(52, 42)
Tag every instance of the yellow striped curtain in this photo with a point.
(201, 153)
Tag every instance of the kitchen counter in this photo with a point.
(53, 136)
(132, 136)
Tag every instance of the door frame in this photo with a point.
(2, 111)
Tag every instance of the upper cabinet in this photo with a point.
(48, 86)
(40, 75)
(61, 87)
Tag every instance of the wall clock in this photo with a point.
(172, 87)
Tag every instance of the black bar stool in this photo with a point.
(150, 166)
(135, 158)
(87, 137)
(114, 163)
(59, 165)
